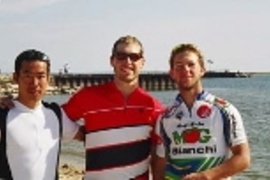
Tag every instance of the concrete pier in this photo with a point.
(150, 82)
(69, 83)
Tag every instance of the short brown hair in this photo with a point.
(186, 48)
(127, 40)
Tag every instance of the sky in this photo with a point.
(235, 35)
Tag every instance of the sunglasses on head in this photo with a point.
(121, 56)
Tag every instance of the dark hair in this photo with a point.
(186, 48)
(30, 56)
(127, 40)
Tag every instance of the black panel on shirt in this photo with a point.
(118, 155)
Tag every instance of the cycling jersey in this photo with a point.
(199, 138)
(118, 130)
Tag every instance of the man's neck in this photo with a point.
(29, 104)
(189, 96)
(126, 88)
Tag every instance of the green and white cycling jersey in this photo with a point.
(199, 138)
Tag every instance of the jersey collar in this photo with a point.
(200, 96)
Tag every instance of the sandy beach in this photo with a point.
(69, 172)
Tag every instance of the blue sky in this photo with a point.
(234, 34)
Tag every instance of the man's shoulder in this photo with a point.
(3, 113)
(220, 103)
(3, 117)
(49, 104)
(4, 110)
(153, 101)
(143, 92)
(94, 88)
(216, 101)
(55, 107)
(224, 104)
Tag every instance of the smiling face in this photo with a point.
(32, 80)
(186, 70)
(127, 62)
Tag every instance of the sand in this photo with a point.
(69, 172)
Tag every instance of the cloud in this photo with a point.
(20, 6)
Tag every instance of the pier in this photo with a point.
(69, 83)
(148, 81)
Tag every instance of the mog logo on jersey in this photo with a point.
(194, 135)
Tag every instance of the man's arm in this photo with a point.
(158, 166)
(6, 102)
(73, 110)
(158, 154)
(239, 161)
(240, 158)
(72, 129)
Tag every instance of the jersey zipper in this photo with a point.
(190, 112)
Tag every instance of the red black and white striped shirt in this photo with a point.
(118, 130)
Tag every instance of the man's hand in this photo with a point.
(80, 135)
(6, 102)
(196, 176)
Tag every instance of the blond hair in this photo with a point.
(127, 40)
(186, 48)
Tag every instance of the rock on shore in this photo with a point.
(69, 172)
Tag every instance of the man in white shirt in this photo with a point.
(202, 137)
(33, 129)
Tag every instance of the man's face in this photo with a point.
(32, 80)
(186, 70)
(127, 62)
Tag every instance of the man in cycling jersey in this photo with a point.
(201, 136)
(119, 118)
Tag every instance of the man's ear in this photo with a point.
(171, 74)
(111, 61)
(15, 77)
(203, 70)
(143, 62)
(50, 78)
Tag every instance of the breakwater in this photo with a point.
(70, 83)
(148, 81)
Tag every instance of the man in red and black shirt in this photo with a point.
(119, 118)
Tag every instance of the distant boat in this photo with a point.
(226, 74)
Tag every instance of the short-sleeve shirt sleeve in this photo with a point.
(70, 128)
